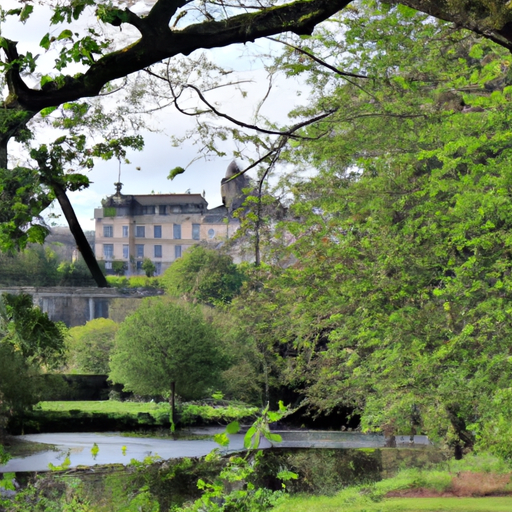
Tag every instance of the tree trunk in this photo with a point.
(172, 402)
(78, 234)
(465, 438)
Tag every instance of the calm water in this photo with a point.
(114, 448)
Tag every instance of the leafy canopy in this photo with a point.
(165, 342)
(205, 275)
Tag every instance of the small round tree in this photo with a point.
(165, 347)
(205, 275)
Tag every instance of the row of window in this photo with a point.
(108, 251)
(140, 231)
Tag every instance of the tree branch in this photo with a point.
(160, 42)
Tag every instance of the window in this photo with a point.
(177, 251)
(157, 231)
(108, 251)
(140, 231)
(176, 231)
(211, 233)
(100, 308)
(139, 250)
(125, 231)
(139, 265)
(158, 265)
(195, 231)
(108, 265)
(145, 210)
(108, 231)
(162, 210)
(158, 251)
(126, 251)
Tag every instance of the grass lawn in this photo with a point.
(104, 406)
(190, 413)
(335, 504)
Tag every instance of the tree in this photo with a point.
(29, 341)
(205, 275)
(29, 331)
(166, 347)
(17, 387)
(89, 346)
(397, 302)
(149, 267)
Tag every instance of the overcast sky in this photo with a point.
(159, 156)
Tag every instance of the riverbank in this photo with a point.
(475, 484)
(328, 481)
(113, 415)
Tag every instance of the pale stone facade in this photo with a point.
(160, 227)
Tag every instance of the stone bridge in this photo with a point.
(76, 306)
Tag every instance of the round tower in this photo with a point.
(232, 187)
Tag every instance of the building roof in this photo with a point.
(157, 199)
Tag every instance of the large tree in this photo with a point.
(398, 300)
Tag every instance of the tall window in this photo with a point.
(108, 231)
(158, 251)
(126, 251)
(176, 231)
(158, 265)
(195, 231)
(139, 250)
(157, 231)
(140, 231)
(108, 251)
(177, 251)
(125, 231)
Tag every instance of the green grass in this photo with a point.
(482, 471)
(191, 413)
(335, 504)
(105, 406)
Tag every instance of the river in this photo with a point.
(113, 448)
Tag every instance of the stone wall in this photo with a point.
(76, 306)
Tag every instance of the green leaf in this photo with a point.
(174, 172)
(273, 438)
(65, 34)
(233, 427)
(26, 12)
(248, 436)
(221, 439)
(45, 42)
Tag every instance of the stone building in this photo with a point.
(161, 227)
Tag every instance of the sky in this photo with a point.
(159, 156)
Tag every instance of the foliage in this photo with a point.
(38, 266)
(17, 390)
(74, 273)
(195, 414)
(88, 346)
(234, 488)
(149, 267)
(205, 275)
(29, 331)
(134, 282)
(165, 342)
(191, 413)
(33, 267)
(397, 301)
